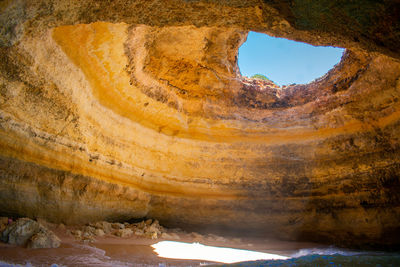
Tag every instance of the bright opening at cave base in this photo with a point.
(197, 251)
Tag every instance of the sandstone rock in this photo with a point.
(137, 108)
(87, 234)
(149, 228)
(77, 233)
(61, 227)
(152, 235)
(117, 225)
(139, 232)
(105, 226)
(19, 232)
(123, 232)
(131, 226)
(89, 229)
(153, 228)
(44, 239)
(141, 225)
(31, 233)
(99, 232)
(3, 223)
(3, 220)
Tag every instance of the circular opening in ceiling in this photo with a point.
(285, 61)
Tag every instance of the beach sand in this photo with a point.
(110, 250)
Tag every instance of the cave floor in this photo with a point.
(135, 251)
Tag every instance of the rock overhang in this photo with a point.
(144, 113)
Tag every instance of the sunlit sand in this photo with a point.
(196, 251)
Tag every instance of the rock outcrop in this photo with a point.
(20, 232)
(147, 229)
(27, 232)
(44, 239)
(130, 109)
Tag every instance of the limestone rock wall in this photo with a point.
(137, 108)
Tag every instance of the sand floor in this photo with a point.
(110, 250)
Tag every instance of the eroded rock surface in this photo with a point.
(44, 239)
(27, 232)
(131, 109)
(20, 231)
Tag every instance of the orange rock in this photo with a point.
(136, 109)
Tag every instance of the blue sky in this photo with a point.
(285, 61)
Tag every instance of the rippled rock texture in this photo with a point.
(131, 109)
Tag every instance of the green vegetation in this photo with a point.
(260, 76)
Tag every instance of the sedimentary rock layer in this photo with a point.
(138, 108)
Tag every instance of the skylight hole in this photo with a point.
(285, 61)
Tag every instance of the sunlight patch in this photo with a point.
(196, 251)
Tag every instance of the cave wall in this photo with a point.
(126, 109)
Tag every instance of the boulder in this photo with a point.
(44, 239)
(117, 225)
(124, 232)
(31, 233)
(139, 232)
(105, 226)
(19, 232)
(89, 229)
(152, 235)
(141, 225)
(77, 233)
(87, 235)
(99, 232)
(154, 228)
